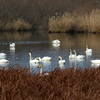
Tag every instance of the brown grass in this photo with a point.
(17, 83)
(16, 25)
(77, 22)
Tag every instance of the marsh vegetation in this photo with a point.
(18, 83)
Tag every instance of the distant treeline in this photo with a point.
(35, 14)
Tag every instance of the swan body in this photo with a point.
(4, 61)
(46, 58)
(71, 56)
(88, 50)
(12, 45)
(2, 55)
(97, 61)
(78, 56)
(56, 45)
(56, 41)
(35, 61)
(61, 61)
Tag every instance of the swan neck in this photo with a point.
(40, 59)
(86, 48)
(41, 71)
(75, 54)
(30, 57)
(70, 53)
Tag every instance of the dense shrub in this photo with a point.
(17, 83)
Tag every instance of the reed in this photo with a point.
(17, 83)
(87, 22)
(16, 25)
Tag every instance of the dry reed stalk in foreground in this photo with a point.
(17, 83)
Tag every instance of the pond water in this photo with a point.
(39, 44)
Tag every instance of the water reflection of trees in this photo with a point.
(15, 36)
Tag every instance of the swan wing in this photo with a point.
(80, 56)
(46, 58)
(34, 61)
(62, 62)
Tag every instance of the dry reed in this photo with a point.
(17, 83)
(16, 25)
(77, 22)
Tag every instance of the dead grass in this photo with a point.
(17, 83)
(15, 25)
(77, 22)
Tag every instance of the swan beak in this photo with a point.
(39, 66)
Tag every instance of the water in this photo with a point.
(40, 45)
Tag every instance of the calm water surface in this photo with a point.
(40, 45)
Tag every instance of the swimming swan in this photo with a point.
(46, 58)
(71, 56)
(40, 66)
(88, 50)
(56, 41)
(35, 61)
(96, 61)
(12, 45)
(4, 61)
(78, 56)
(61, 61)
(2, 55)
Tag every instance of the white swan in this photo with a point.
(4, 61)
(35, 61)
(88, 50)
(12, 45)
(56, 41)
(96, 61)
(78, 56)
(61, 61)
(46, 58)
(71, 56)
(2, 55)
(41, 71)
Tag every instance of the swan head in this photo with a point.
(74, 51)
(29, 54)
(86, 46)
(70, 50)
(39, 66)
(60, 58)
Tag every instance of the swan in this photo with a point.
(12, 45)
(78, 56)
(71, 56)
(2, 55)
(88, 50)
(96, 61)
(56, 45)
(61, 61)
(56, 41)
(46, 58)
(40, 66)
(4, 61)
(35, 61)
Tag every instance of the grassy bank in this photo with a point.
(17, 83)
(87, 22)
